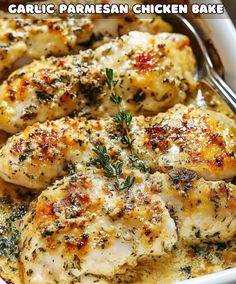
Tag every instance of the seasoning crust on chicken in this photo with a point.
(83, 220)
(188, 137)
(109, 176)
(24, 38)
(203, 210)
(184, 137)
(31, 38)
(146, 73)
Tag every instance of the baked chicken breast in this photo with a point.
(188, 137)
(31, 38)
(142, 73)
(84, 220)
(89, 218)
(202, 210)
(184, 137)
(24, 38)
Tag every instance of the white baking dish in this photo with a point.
(222, 33)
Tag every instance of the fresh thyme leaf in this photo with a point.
(112, 171)
(118, 168)
(129, 181)
(111, 85)
(123, 118)
(126, 140)
(116, 99)
(139, 163)
(110, 78)
(102, 155)
(109, 171)
(109, 75)
(104, 161)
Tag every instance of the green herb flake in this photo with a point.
(110, 78)
(126, 140)
(112, 170)
(129, 181)
(116, 99)
(9, 245)
(123, 118)
(22, 157)
(138, 163)
(139, 96)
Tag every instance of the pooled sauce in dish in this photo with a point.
(207, 97)
(127, 180)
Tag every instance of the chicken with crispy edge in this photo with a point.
(188, 137)
(202, 210)
(142, 73)
(83, 225)
(25, 38)
(28, 38)
(184, 137)
(86, 219)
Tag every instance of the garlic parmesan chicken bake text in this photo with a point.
(146, 73)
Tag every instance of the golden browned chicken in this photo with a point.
(141, 73)
(184, 137)
(188, 137)
(115, 215)
(126, 181)
(24, 38)
(203, 210)
(87, 225)
(29, 38)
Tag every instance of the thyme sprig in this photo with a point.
(125, 184)
(124, 120)
(112, 170)
(111, 82)
(110, 78)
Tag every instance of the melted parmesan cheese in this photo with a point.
(184, 137)
(151, 73)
